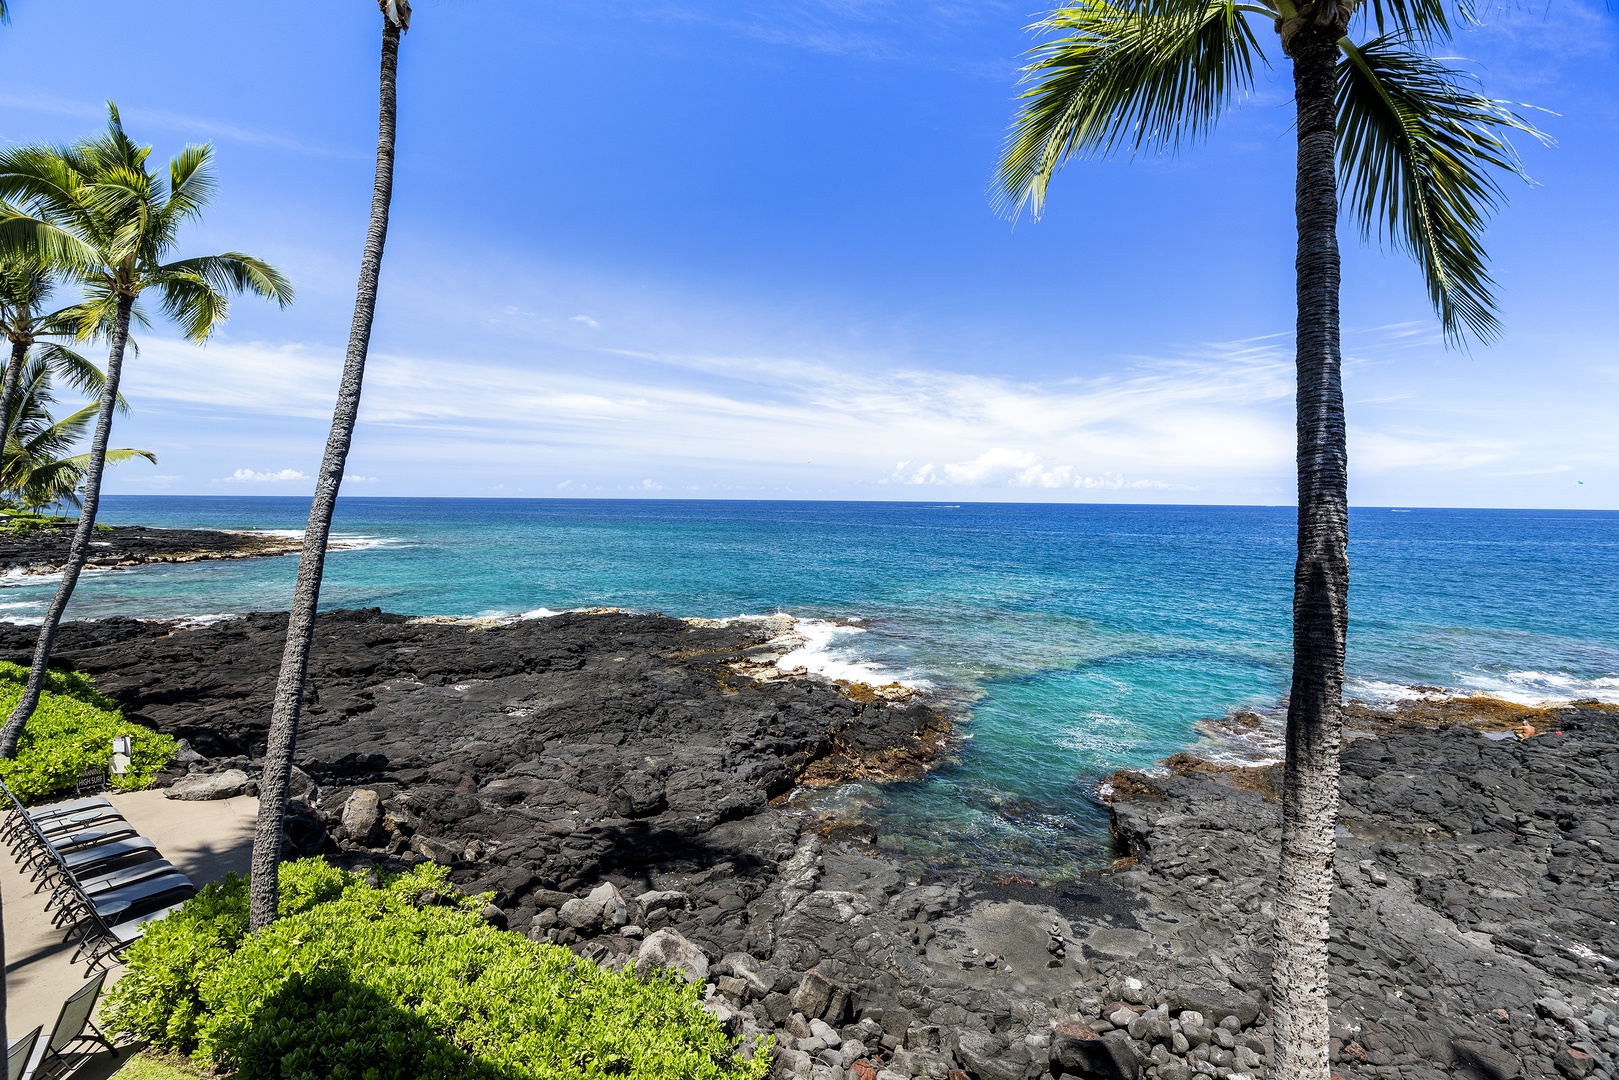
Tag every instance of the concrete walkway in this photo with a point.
(205, 840)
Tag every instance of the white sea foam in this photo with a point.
(1544, 687)
(1518, 687)
(17, 576)
(335, 542)
(538, 613)
(826, 649)
(197, 622)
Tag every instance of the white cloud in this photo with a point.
(349, 479)
(1224, 408)
(1001, 467)
(249, 476)
(1217, 420)
(587, 320)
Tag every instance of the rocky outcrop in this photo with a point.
(44, 550)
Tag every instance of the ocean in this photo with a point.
(1073, 640)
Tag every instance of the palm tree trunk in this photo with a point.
(1320, 587)
(289, 688)
(8, 392)
(79, 551)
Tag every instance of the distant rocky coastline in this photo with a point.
(44, 549)
(620, 784)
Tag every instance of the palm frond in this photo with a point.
(191, 183)
(1420, 21)
(73, 369)
(1419, 151)
(27, 237)
(41, 178)
(1123, 75)
(189, 299)
(235, 272)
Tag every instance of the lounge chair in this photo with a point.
(126, 900)
(18, 1053)
(74, 1032)
(20, 815)
(104, 858)
(105, 940)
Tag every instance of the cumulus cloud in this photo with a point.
(249, 476)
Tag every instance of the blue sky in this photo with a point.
(745, 250)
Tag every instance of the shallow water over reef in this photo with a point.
(1079, 639)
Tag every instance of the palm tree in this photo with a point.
(97, 207)
(1417, 149)
(289, 689)
(37, 468)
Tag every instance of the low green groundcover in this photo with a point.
(398, 982)
(71, 733)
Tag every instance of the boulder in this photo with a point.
(1216, 1005)
(819, 997)
(185, 754)
(614, 911)
(668, 898)
(604, 908)
(757, 978)
(1076, 1050)
(1487, 1058)
(1572, 1063)
(361, 817)
(667, 949)
(223, 785)
(443, 852)
(984, 1055)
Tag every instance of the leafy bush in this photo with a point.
(71, 733)
(396, 982)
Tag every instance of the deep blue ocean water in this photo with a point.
(1079, 638)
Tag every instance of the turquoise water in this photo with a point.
(1081, 638)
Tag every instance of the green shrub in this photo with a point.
(71, 733)
(398, 982)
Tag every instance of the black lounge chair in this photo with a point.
(102, 859)
(90, 837)
(104, 941)
(74, 1033)
(78, 821)
(18, 1053)
(16, 825)
(126, 900)
(128, 875)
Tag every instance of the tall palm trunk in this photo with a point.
(79, 552)
(289, 688)
(1320, 586)
(8, 391)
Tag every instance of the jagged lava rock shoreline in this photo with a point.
(44, 550)
(617, 782)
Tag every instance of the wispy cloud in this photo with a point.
(202, 129)
(886, 30)
(1161, 423)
